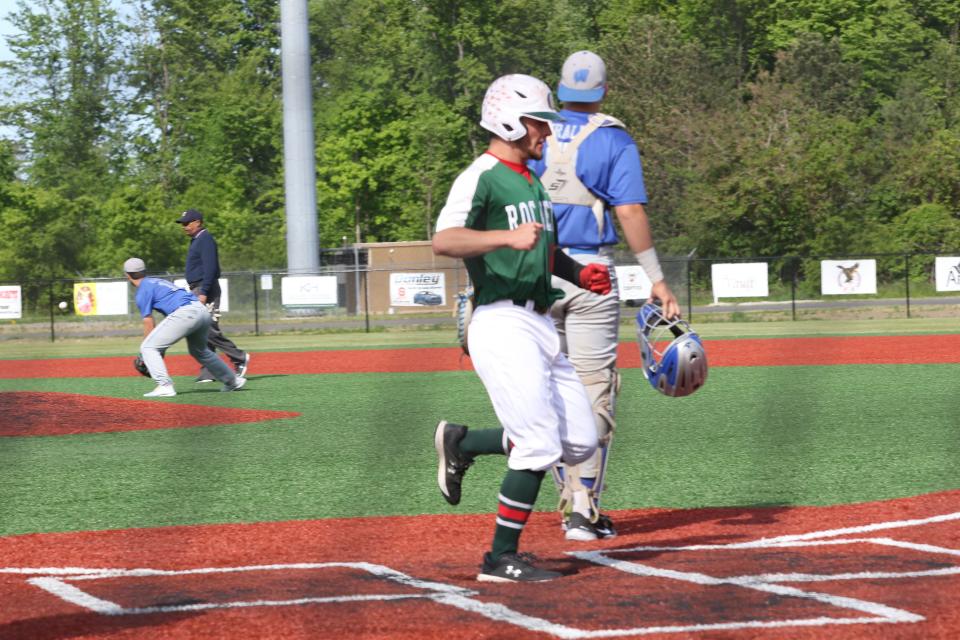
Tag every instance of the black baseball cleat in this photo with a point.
(513, 567)
(451, 463)
(241, 368)
(578, 527)
(604, 527)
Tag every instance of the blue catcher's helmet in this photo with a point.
(674, 361)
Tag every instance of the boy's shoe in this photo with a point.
(204, 377)
(513, 567)
(241, 368)
(604, 527)
(451, 463)
(162, 391)
(580, 528)
(236, 385)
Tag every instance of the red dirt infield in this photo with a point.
(874, 570)
(925, 349)
(34, 413)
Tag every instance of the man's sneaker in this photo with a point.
(241, 368)
(204, 377)
(604, 527)
(513, 567)
(162, 391)
(580, 528)
(236, 385)
(451, 463)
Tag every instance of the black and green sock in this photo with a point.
(518, 493)
(478, 442)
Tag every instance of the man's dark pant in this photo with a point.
(215, 338)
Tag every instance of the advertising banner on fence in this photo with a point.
(947, 273)
(113, 298)
(308, 291)
(633, 283)
(739, 280)
(11, 302)
(224, 292)
(838, 277)
(101, 298)
(417, 289)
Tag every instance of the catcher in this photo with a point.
(186, 317)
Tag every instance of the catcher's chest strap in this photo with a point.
(560, 177)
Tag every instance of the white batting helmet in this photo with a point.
(677, 368)
(514, 96)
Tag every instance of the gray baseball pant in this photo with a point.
(191, 321)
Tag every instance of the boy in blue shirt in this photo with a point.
(186, 317)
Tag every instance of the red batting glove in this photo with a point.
(596, 277)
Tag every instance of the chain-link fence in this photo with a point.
(362, 297)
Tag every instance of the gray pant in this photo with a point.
(215, 338)
(191, 321)
(589, 325)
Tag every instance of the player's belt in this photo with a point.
(530, 305)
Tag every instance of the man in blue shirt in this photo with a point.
(203, 274)
(186, 317)
(591, 168)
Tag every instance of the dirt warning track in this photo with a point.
(930, 349)
(885, 569)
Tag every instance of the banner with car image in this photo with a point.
(417, 290)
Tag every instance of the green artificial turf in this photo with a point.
(363, 446)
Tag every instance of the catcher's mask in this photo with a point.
(674, 361)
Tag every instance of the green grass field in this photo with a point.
(363, 444)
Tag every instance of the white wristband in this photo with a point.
(648, 260)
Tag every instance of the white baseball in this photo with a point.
(63, 305)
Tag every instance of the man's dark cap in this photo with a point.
(189, 216)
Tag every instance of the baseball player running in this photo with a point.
(591, 166)
(499, 219)
(186, 317)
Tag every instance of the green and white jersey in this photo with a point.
(490, 195)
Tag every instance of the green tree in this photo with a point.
(208, 83)
(65, 101)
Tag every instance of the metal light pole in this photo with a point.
(303, 239)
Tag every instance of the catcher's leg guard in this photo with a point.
(602, 388)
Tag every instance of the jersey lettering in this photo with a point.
(546, 214)
(525, 213)
(513, 219)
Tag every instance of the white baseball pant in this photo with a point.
(536, 394)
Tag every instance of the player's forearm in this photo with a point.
(148, 325)
(636, 231)
(566, 267)
(461, 242)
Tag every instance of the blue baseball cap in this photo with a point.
(583, 79)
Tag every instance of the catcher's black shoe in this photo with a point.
(452, 464)
(604, 527)
(513, 567)
(578, 527)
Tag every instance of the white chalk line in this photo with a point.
(451, 595)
